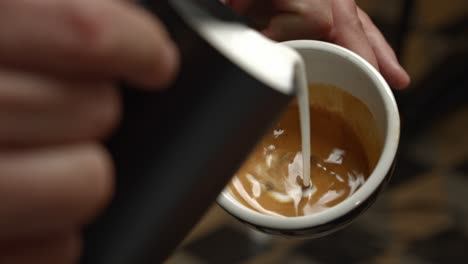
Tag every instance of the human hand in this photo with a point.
(338, 21)
(59, 63)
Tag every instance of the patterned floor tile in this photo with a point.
(435, 13)
(225, 245)
(443, 144)
(279, 253)
(457, 193)
(449, 246)
(422, 149)
(301, 259)
(419, 208)
(406, 169)
(375, 219)
(351, 245)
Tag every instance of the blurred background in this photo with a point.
(422, 217)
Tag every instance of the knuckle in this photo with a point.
(364, 18)
(322, 23)
(319, 16)
(356, 23)
(350, 2)
(325, 26)
(88, 27)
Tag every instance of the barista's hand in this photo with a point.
(59, 61)
(339, 21)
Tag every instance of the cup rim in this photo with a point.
(382, 168)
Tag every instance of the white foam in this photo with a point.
(355, 180)
(281, 197)
(309, 192)
(338, 177)
(268, 159)
(256, 187)
(295, 168)
(277, 133)
(268, 149)
(335, 156)
(322, 202)
(252, 202)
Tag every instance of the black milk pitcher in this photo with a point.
(175, 150)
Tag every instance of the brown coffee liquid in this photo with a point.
(270, 180)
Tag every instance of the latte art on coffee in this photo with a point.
(271, 180)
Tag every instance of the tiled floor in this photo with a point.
(422, 217)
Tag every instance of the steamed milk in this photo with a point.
(271, 181)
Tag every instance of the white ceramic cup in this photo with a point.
(331, 64)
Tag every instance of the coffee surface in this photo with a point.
(270, 181)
